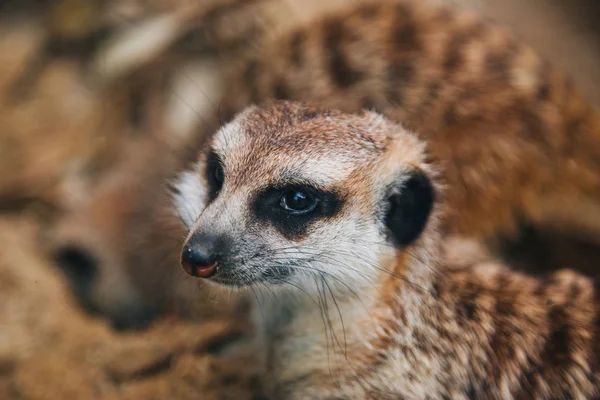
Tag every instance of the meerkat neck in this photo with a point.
(408, 275)
(404, 284)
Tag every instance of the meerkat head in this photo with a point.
(287, 193)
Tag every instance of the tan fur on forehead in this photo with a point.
(299, 140)
(404, 149)
(293, 126)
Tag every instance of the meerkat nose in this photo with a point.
(199, 257)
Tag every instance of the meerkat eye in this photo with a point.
(214, 174)
(293, 208)
(218, 175)
(298, 201)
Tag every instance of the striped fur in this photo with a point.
(488, 106)
(379, 321)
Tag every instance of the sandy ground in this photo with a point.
(50, 350)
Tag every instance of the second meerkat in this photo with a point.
(345, 245)
(518, 141)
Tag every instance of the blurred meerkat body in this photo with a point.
(335, 220)
(517, 140)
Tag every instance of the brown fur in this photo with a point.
(496, 334)
(427, 327)
(489, 107)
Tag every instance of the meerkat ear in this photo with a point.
(410, 205)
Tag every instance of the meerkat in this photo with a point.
(335, 222)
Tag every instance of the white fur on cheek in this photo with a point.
(190, 199)
(350, 251)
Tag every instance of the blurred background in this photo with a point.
(99, 99)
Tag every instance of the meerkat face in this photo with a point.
(289, 194)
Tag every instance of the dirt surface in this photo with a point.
(50, 350)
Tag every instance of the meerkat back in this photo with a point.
(518, 143)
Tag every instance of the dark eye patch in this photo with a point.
(215, 175)
(267, 207)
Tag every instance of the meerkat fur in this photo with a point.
(354, 297)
